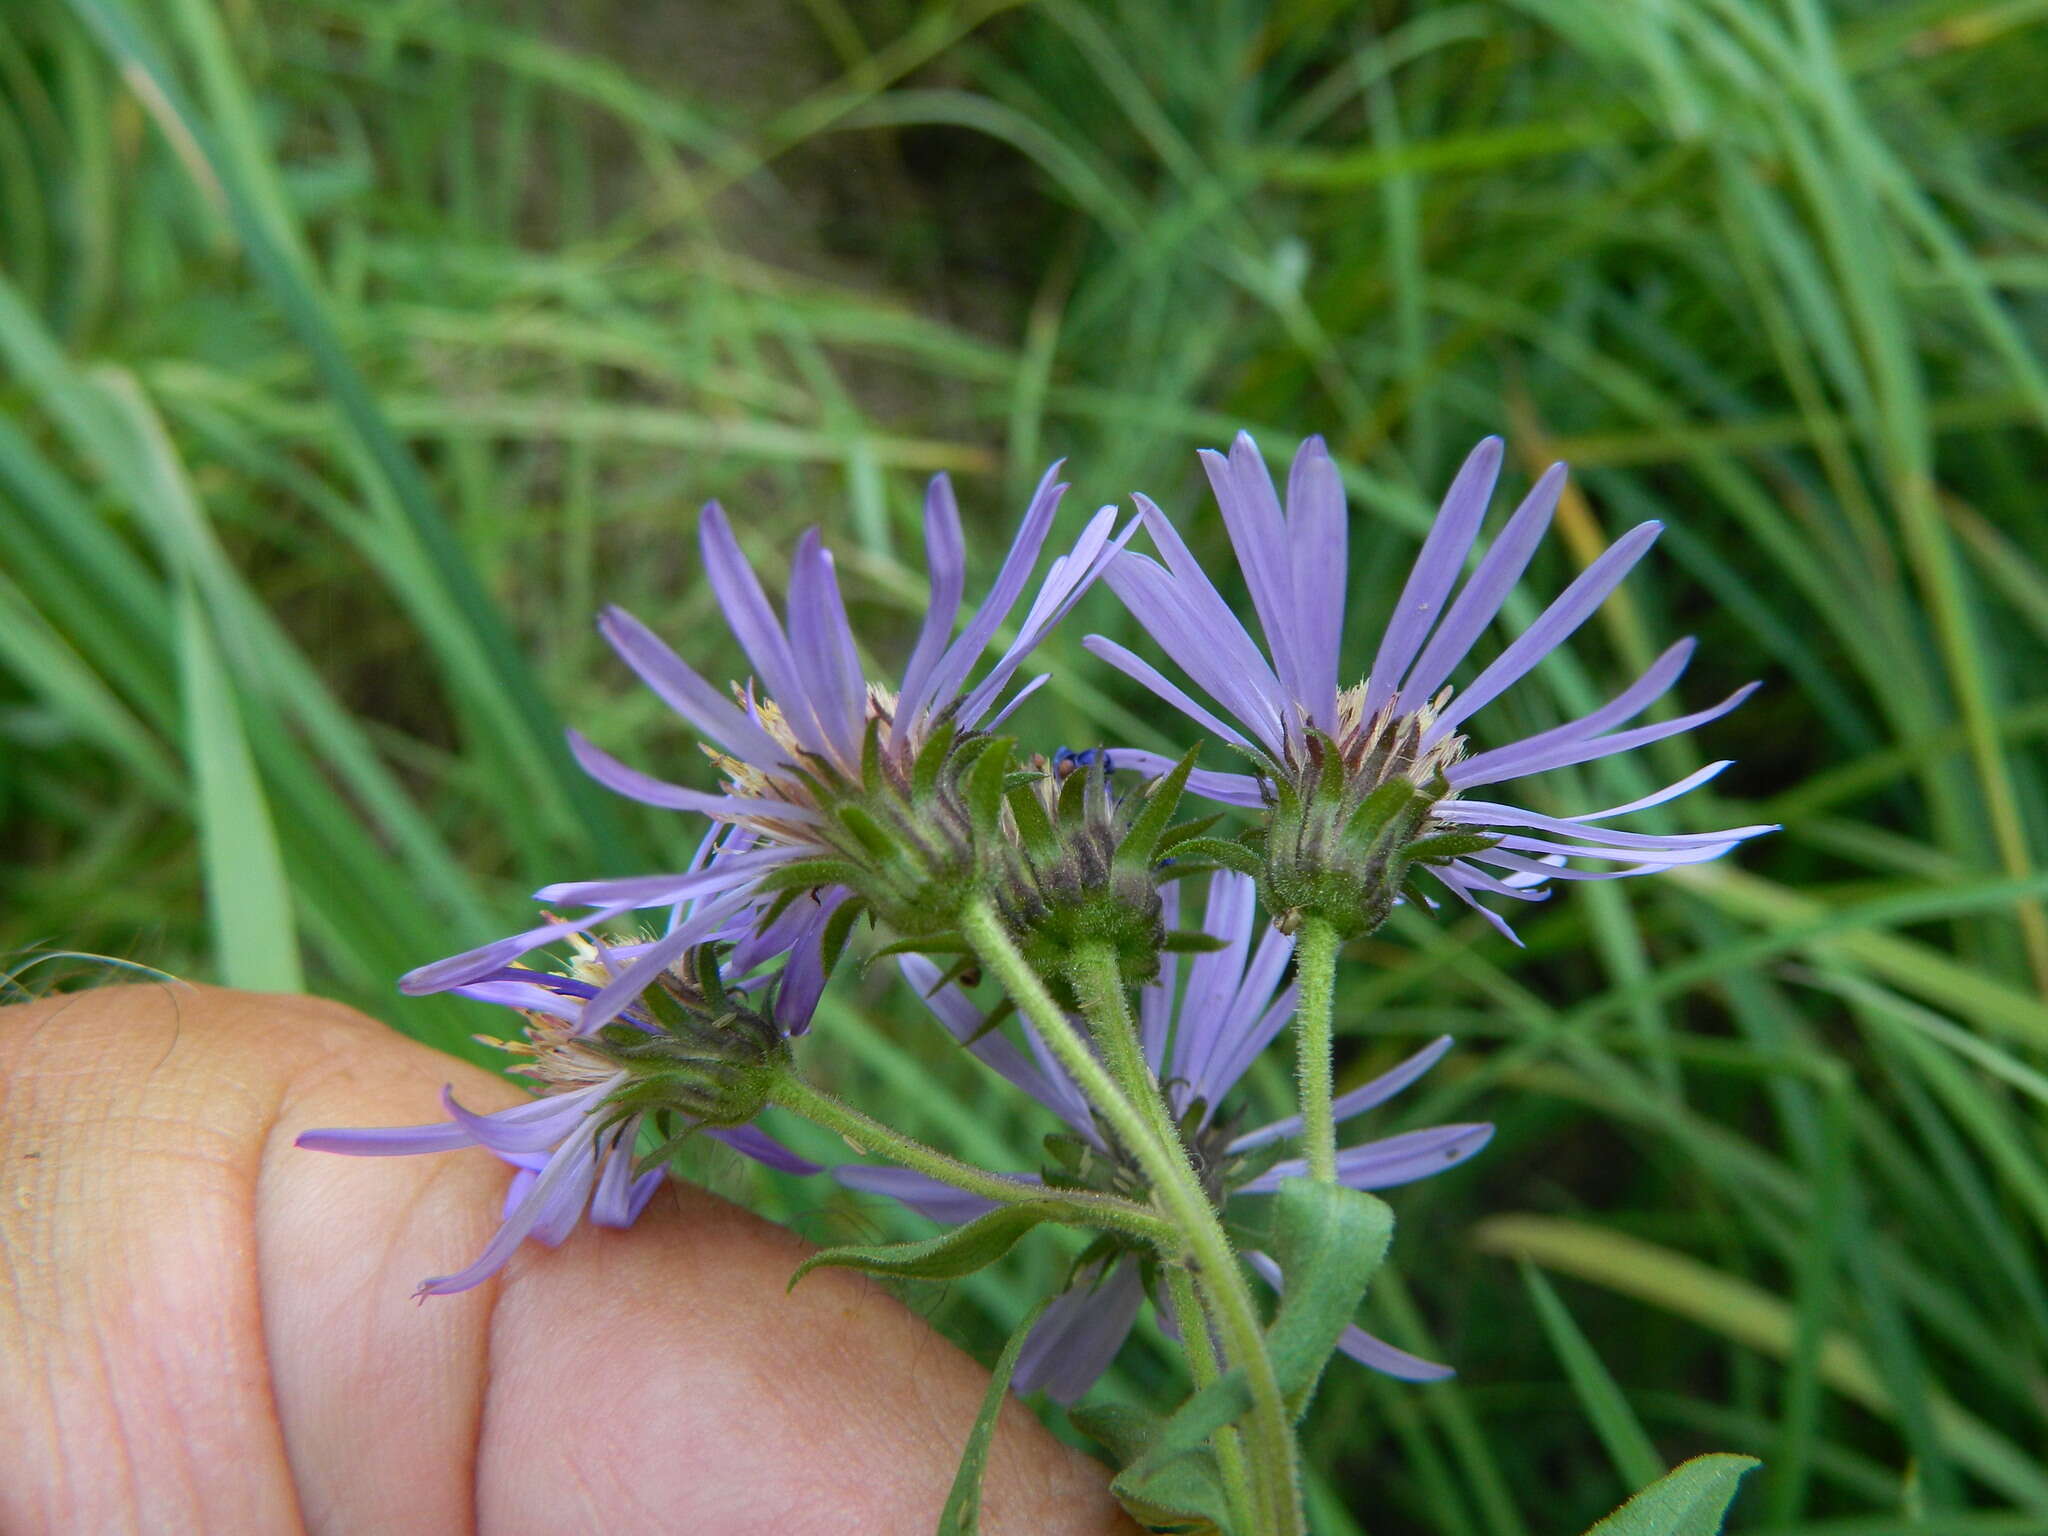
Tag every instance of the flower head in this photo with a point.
(834, 786)
(1371, 782)
(686, 1057)
(1200, 1040)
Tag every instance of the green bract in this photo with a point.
(709, 1058)
(1081, 868)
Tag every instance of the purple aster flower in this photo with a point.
(1200, 1040)
(574, 1149)
(1316, 743)
(820, 735)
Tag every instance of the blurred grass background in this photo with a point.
(353, 352)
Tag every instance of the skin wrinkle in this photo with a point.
(216, 1334)
(416, 1238)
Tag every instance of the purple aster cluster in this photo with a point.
(840, 799)
(1199, 1040)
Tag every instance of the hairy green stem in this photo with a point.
(1315, 969)
(1270, 1439)
(1199, 1346)
(871, 1136)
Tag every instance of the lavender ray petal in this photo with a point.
(517, 1188)
(611, 1203)
(1145, 673)
(1436, 568)
(642, 1192)
(474, 964)
(1482, 596)
(751, 1141)
(995, 721)
(965, 1023)
(1552, 628)
(622, 990)
(919, 1192)
(1391, 1161)
(561, 1168)
(1067, 581)
(1225, 661)
(1387, 1360)
(684, 690)
(1480, 813)
(1511, 767)
(952, 667)
(635, 785)
(1356, 1342)
(945, 554)
(822, 644)
(1079, 1334)
(1214, 975)
(1631, 701)
(1687, 848)
(1240, 789)
(563, 1206)
(1258, 534)
(1684, 786)
(1248, 1043)
(1155, 998)
(1515, 861)
(1317, 533)
(531, 1127)
(803, 977)
(1453, 879)
(1209, 647)
(753, 622)
(1256, 1016)
(1524, 886)
(662, 890)
(1366, 1096)
(524, 996)
(387, 1141)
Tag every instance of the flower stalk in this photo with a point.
(1276, 1496)
(869, 1135)
(1315, 966)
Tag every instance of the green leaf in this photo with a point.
(1161, 801)
(1185, 1495)
(248, 899)
(1690, 1501)
(951, 1254)
(1121, 1430)
(962, 1514)
(1628, 1447)
(1328, 1240)
(1192, 941)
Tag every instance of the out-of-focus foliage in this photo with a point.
(352, 352)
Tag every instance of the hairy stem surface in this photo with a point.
(1270, 1435)
(871, 1136)
(1315, 967)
